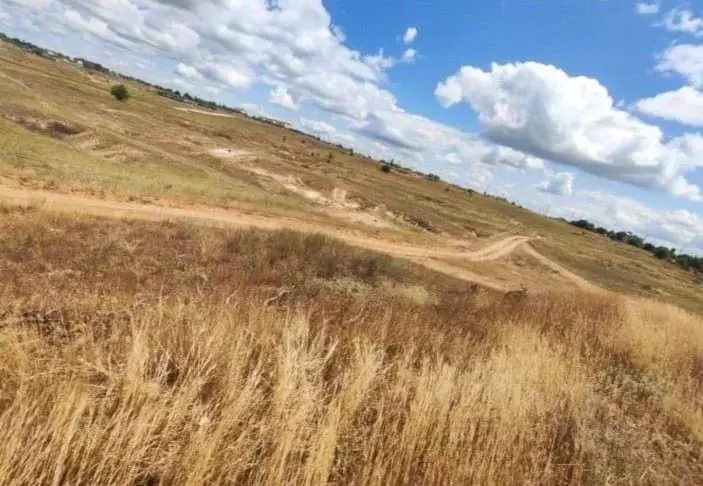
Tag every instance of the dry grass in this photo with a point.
(149, 150)
(141, 353)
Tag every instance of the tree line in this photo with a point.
(685, 261)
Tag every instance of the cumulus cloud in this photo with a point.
(453, 158)
(138, 25)
(33, 4)
(233, 76)
(410, 35)
(317, 127)
(281, 96)
(561, 184)
(379, 62)
(540, 110)
(685, 60)
(513, 158)
(684, 105)
(647, 8)
(672, 227)
(684, 21)
(187, 71)
(409, 55)
(93, 26)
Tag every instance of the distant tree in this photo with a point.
(583, 224)
(433, 177)
(662, 252)
(601, 231)
(120, 92)
(636, 241)
(622, 236)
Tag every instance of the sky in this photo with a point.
(574, 108)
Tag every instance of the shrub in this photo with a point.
(386, 168)
(120, 92)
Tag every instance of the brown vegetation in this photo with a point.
(143, 353)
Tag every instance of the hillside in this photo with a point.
(198, 297)
(61, 133)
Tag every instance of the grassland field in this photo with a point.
(197, 299)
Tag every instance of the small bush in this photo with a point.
(386, 168)
(120, 92)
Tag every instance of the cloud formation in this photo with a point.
(281, 97)
(685, 60)
(679, 228)
(562, 184)
(684, 21)
(684, 106)
(410, 35)
(541, 110)
(647, 8)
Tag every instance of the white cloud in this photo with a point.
(561, 184)
(228, 74)
(647, 8)
(139, 25)
(453, 158)
(187, 71)
(684, 106)
(32, 4)
(98, 28)
(212, 90)
(280, 96)
(317, 127)
(541, 110)
(379, 62)
(254, 109)
(409, 55)
(410, 35)
(685, 60)
(513, 158)
(685, 21)
(679, 228)
(182, 83)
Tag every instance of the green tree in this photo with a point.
(120, 92)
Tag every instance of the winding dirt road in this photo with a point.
(429, 257)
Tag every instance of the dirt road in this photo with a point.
(429, 257)
(580, 282)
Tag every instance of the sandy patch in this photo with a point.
(229, 153)
(337, 204)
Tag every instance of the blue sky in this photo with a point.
(577, 108)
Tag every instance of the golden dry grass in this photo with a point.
(196, 393)
(142, 353)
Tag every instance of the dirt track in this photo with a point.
(232, 217)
